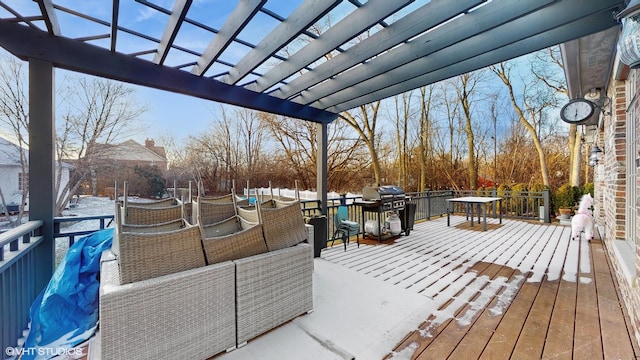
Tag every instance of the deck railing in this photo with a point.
(102, 222)
(525, 205)
(18, 246)
(18, 289)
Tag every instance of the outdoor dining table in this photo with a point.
(469, 203)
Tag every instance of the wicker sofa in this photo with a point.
(209, 305)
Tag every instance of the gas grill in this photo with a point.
(379, 200)
(388, 197)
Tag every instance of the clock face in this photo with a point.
(577, 111)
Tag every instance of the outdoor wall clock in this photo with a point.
(577, 111)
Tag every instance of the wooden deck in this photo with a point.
(520, 290)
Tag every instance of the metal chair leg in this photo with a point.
(334, 237)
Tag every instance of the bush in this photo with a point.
(564, 197)
(519, 188)
(577, 194)
(538, 187)
(517, 204)
(152, 183)
(588, 189)
(488, 191)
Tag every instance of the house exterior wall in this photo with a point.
(119, 171)
(9, 184)
(611, 185)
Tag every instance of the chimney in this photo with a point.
(150, 144)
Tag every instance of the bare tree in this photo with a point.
(447, 138)
(365, 123)
(14, 119)
(253, 137)
(535, 100)
(427, 103)
(233, 149)
(465, 89)
(97, 112)
(298, 149)
(404, 142)
(547, 66)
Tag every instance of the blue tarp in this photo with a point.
(66, 311)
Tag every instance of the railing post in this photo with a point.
(56, 227)
(494, 193)
(428, 198)
(547, 205)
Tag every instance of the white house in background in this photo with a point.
(12, 179)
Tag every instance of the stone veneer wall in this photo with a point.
(611, 185)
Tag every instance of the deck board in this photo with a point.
(611, 315)
(559, 343)
(456, 329)
(587, 338)
(534, 331)
(478, 335)
(520, 290)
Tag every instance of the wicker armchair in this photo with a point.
(189, 314)
(282, 224)
(143, 256)
(157, 294)
(272, 288)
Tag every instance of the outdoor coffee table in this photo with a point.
(469, 203)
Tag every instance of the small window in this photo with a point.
(23, 181)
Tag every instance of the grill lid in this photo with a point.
(375, 193)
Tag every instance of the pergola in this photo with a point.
(372, 50)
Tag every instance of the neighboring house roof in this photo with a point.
(10, 154)
(129, 150)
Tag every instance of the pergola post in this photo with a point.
(321, 166)
(42, 162)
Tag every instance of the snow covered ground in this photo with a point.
(368, 298)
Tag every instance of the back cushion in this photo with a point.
(147, 255)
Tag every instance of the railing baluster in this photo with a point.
(17, 271)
